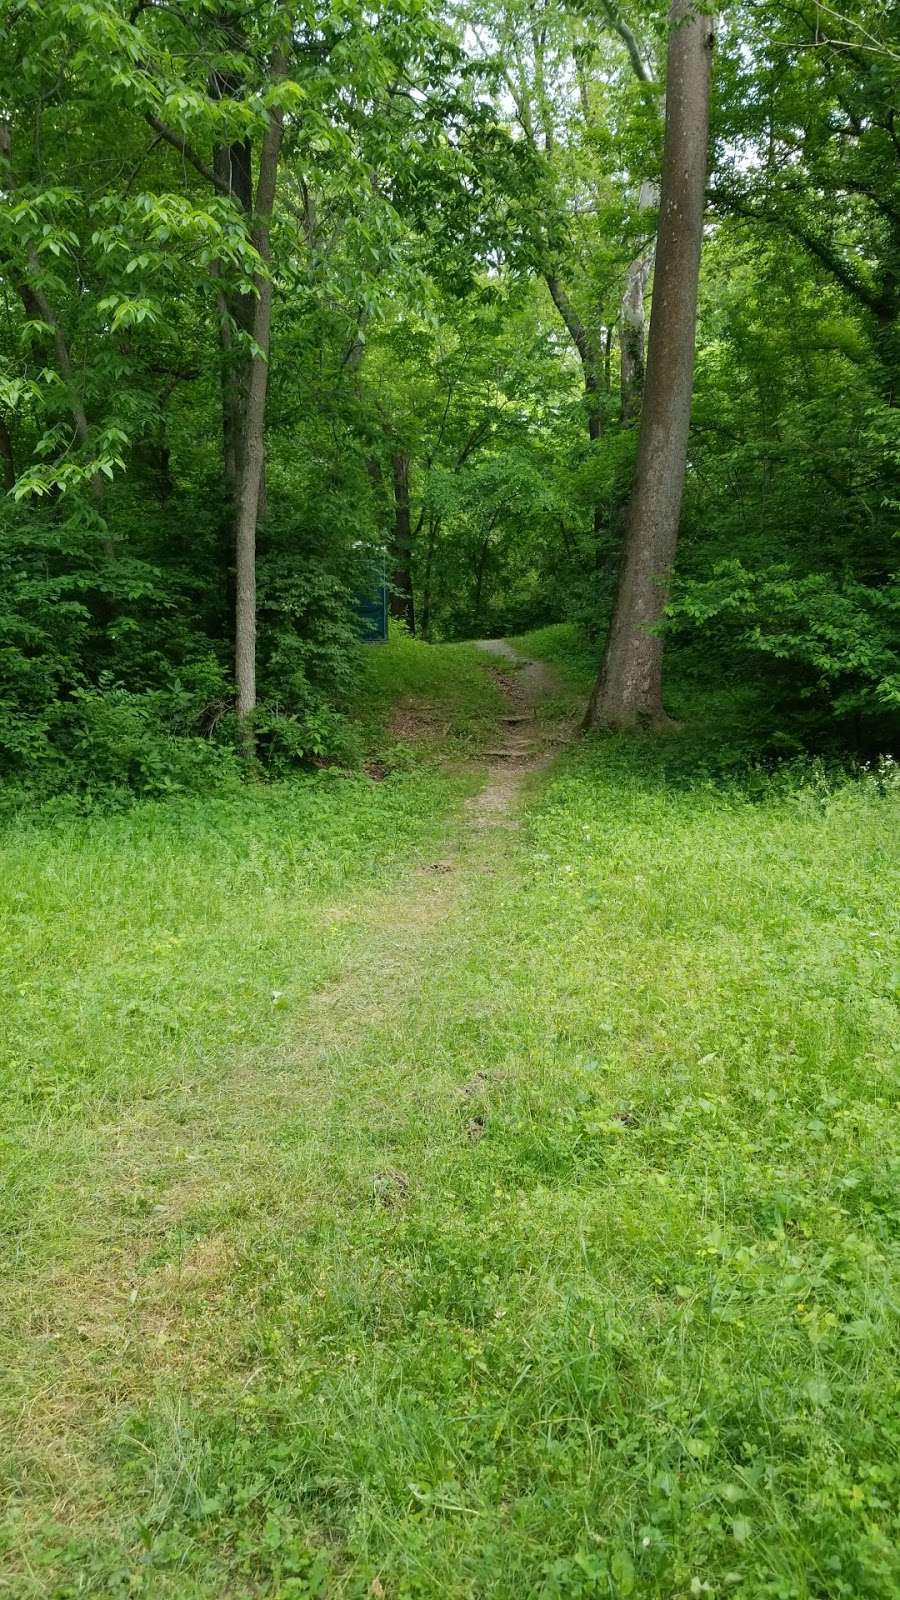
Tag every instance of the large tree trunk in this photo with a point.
(402, 606)
(628, 690)
(250, 456)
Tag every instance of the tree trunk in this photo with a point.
(232, 174)
(250, 456)
(480, 569)
(593, 354)
(232, 166)
(7, 455)
(434, 523)
(628, 691)
(631, 311)
(631, 338)
(401, 584)
(607, 357)
(590, 354)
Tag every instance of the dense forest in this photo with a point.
(294, 294)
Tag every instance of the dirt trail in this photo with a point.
(525, 744)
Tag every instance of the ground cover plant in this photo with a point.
(413, 1207)
(445, 693)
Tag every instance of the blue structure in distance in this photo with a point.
(372, 607)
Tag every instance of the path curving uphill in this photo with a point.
(528, 734)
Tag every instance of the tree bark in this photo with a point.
(631, 339)
(250, 458)
(628, 691)
(7, 456)
(590, 353)
(402, 606)
(434, 523)
(632, 323)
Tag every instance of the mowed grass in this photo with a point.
(522, 1227)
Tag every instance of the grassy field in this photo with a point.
(398, 1209)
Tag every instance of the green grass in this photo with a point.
(565, 647)
(523, 1228)
(449, 687)
(136, 940)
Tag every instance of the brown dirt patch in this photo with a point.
(411, 721)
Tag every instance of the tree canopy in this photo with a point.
(294, 295)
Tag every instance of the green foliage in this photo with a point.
(448, 268)
(567, 648)
(788, 567)
(837, 638)
(114, 675)
(94, 695)
(127, 289)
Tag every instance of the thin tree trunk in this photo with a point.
(402, 606)
(631, 338)
(631, 311)
(232, 166)
(7, 456)
(480, 568)
(434, 523)
(589, 350)
(628, 690)
(232, 175)
(591, 354)
(250, 462)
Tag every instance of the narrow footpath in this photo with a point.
(527, 738)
